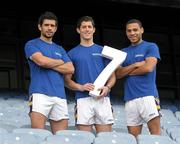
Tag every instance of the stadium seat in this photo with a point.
(42, 133)
(168, 119)
(167, 113)
(72, 127)
(174, 132)
(114, 138)
(14, 116)
(67, 139)
(77, 133)
(145, 129)
(178, 140)
(154, 139)
(11, 138)
(120, 129)
(47, 126)
(3, 131)
(7, 126)
(177, 114)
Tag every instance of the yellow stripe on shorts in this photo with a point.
(30, 103)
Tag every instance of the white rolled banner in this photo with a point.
(117, 57)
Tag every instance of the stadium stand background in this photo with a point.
(18, 24)
(160, 20)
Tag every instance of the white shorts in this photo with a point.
(90, 111)
(53, 108)
(141, 110)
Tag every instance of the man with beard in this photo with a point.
(48, 63)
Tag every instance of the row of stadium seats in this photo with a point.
(15, 124)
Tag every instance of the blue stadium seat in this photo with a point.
(3, 131)
(76, 133)
(177, 114)
(120, 129)
(154, 139)
(42, 133)
(14, 115)
(171, 107)
(10, 138)
(47, 126)
(7, 126)
(178, 140)
(168, 119)
(67, 139)
(114, 138)
(72, 127)
(174, 132)
(167, 113)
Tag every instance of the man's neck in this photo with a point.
(87, 44)
(134, 44)
(48, 40)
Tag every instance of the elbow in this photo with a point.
(148, 70)
(71, 70)
(118, 75)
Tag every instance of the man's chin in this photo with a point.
(49, 36)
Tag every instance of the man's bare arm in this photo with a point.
(44, 61)
(149, 65)
(66, 68)
(71, 84)
(123, 71)
(109, 84)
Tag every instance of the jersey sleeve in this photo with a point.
(153, 51)
(30, 49)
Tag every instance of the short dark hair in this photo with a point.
(47, 15)
(85, 18)
(134, 21)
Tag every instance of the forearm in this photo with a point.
(123, 71)
(141, 70)
(44, 61)
(66, 68)
(51, 63)
(111, 81)
(75, 86)
(147, 67)
(70, 83)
